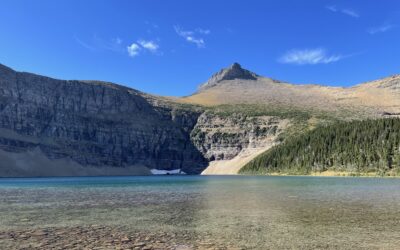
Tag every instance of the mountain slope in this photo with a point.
(369, 99)
(236, 91)
(94, 124)
(357, 147)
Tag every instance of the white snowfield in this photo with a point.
(166, 172)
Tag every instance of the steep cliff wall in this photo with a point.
(229, 142)
(94, 124)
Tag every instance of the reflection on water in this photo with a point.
(247, 212)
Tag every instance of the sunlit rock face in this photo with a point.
(223, 138)
(235, 71)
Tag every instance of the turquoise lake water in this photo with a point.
(249, 212)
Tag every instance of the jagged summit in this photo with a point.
(235, 71)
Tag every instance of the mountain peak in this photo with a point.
(236, 65)
(235, 71)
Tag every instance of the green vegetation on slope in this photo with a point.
(359, 147)
(227, 110)
(301, 120)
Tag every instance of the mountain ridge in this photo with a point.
(216, 78)
(102, 127)
(364, 97)
(110, 83)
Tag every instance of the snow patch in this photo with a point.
(166, 172)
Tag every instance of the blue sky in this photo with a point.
(170, 47)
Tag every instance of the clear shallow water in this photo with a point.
(248, 212)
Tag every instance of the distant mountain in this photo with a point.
(234, 72)
(235, 85)
(58, 127)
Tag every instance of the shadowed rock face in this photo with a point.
(235, 71)
(94, 124)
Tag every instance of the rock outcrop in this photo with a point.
(235, 71)
(223, 138)
(229, 142)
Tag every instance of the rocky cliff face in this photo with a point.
(225, 137)
(94, 124)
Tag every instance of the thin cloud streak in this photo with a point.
(332, 8)
(348, 12)
(351, 13)
(116, 45)
(309, 56)
(97, 44)
(192, 36)
(84, 44)
(203, 31)
(380, 29)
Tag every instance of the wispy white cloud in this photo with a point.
(142, 45)
(348, 12)
(309, 56)
(380, 29)
(96, 43)
(133, 50)
(198, 41)
(149, 45)
(183, 33)
(117, 41)
(351, 13)
(84, 44)
(332, 8)
(116, 45)
(193, 36)
(203, 31)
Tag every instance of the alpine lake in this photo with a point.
(200, 212)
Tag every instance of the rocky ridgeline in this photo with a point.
(392, 83)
